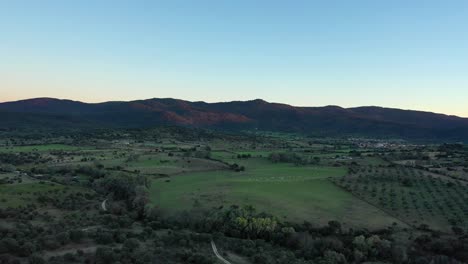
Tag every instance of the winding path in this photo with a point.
(215, 250)
(103, 205)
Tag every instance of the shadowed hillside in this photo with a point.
(256, 114)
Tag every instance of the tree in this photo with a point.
(140, 201)
(104, 255)
(103, 237)
(334, 227)
(399, 254)
(458, 230)
(27, 249)
(36, 259)
(63, 238)
(9, 245)
(198, 258)
(76, 235)
(332, 257)
(131, 244)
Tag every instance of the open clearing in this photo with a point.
(32, 148)
(290, 192)
(16, 195)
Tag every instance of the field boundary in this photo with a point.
(375, 206)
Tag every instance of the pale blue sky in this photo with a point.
(405, 54)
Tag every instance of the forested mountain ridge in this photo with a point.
(256, 114)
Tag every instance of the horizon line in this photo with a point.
(249, 100)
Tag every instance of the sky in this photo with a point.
(399, 53)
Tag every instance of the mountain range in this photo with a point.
(51, 113)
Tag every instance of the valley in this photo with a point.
(187, 180)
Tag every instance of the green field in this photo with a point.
(162, 164)
(41, 148)
(290, 192)
(21, 194)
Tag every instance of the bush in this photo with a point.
(105, 255)
(131, 244)
(36, 259)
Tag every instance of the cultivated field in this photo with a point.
(420, 198)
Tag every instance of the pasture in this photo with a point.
(15, 195)
(293, 193)
(40, 148)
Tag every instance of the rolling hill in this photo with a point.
(50, 113)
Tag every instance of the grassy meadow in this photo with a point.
(293, 193)
(40, 148)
